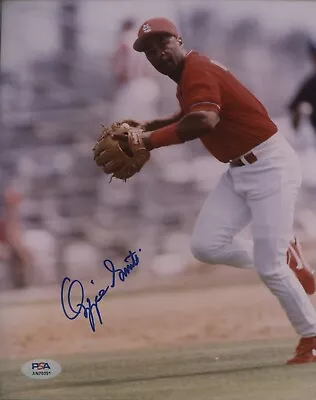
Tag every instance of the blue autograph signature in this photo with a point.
(74, 310)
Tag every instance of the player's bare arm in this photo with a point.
(154, 124)
(196, 124)
(192, 126)
(160, 123)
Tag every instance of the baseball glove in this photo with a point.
(121, 159)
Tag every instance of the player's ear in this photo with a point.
(180, 40)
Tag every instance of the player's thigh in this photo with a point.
(272, 219)
(223, 214)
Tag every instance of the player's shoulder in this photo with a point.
(196, 66)
(196, 59)
(200, 62)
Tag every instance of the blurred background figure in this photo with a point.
(13, 251)
(68, 39)
(304, 101)
(137, 91)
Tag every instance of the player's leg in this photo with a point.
(223, 215)
(275, 184)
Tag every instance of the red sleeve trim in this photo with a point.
(165, 136)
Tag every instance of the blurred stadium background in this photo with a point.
(65, 69)
(58, 84)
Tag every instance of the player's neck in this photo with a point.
(176, 76)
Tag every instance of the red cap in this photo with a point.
(152, 27)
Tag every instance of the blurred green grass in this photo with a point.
(239, 371)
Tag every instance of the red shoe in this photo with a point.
(305, 351)
(300, 267)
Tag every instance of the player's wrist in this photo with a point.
(146, 140)
(148, 126)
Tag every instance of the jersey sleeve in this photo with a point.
(200, 88)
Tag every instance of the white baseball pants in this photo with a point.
(263, 193)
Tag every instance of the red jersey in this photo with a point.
(244, 122)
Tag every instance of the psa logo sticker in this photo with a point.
(41, 369)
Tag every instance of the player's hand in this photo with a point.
(120, 151)
(132, 122)
(123, 140)
(121, 137)
(137, 124)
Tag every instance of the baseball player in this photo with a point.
(137, 90)
(260, 184)
(305, 94)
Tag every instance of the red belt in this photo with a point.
(249, 157)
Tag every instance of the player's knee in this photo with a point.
(198, 252)
(205, 253)
(269, 273)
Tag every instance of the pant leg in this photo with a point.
(271, 198)
(223, 215)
